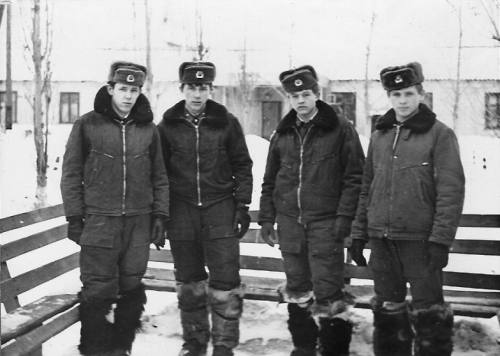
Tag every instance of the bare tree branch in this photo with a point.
(496, 35)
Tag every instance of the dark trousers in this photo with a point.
(395, 263)
(313, 259)
(114, 254)
(202, 237)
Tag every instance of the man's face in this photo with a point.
(304, 102)
(405, 102)
(123, 97)
(196, 96)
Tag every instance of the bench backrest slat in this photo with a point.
(29, 218)
(32, 242)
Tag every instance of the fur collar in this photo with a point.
(326, 118)
(216, 115)
(421, 122)
(141, 112)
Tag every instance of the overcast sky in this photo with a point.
(331, 35)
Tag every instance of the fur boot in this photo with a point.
(96, 333)
(335, 331)
(128, 312)
(303, 329)
(226, 308)
(392, 335)
(192, 299)
(433, 330)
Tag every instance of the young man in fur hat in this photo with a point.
(210, 174)
(310, 189)
(115, 194)
(410, 206)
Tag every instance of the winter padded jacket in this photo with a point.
(413, 183)
(209, 162)
(315, 177)
(114, 169)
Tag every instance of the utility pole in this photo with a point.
(8, 82)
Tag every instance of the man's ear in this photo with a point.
(422, 96)
(110, 89)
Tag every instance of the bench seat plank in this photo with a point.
(32, 340)
(22, 319)
(264, 288)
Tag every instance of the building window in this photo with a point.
(69, 107)
(3, 97)
(344, 105)
(492, 113)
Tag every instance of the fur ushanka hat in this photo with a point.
(395, 78)
(127, 73)
(298, 79)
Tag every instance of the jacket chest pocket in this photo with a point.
(97, 167)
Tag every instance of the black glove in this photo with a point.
(158, 233)
(75, 228)
(343, 226)
(268, 234)
(356, 249)
(241, 220)
(438, 256)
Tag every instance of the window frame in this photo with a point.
(330, 100)
(488, 120)
(71, 119)
(3, 97)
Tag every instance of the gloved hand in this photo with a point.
(75, 228)
(342, 228)
(241, 220)
(438, 256)
(356, 250)
(158, 233)
(268, 234)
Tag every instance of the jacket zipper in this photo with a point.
(396, 136)
(198, 185)
(124, 167)
(302, 142)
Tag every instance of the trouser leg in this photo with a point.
(433, 330)
(392, 334)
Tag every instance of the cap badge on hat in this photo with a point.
(398, 79)
(199, 74)
(298, 82)
(130, 78)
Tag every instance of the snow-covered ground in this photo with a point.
(264, 329)
(264, 332)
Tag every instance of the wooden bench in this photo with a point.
(25, 328)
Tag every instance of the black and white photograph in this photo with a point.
(250, 177)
